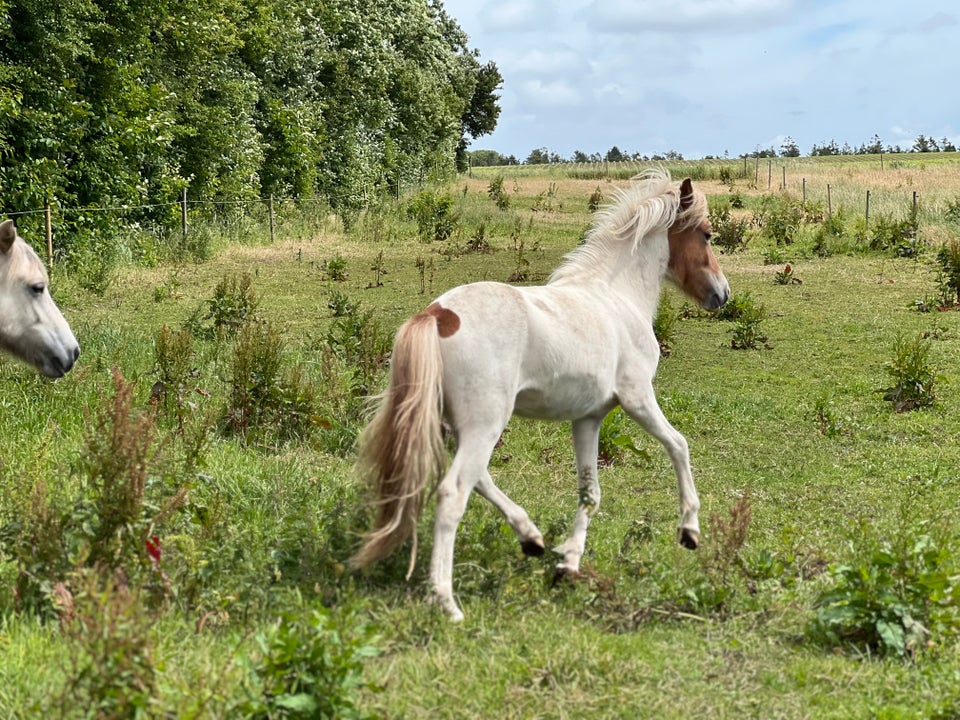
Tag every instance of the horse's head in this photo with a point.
(692, 265)
(32, 328)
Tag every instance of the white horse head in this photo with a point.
(32, 329)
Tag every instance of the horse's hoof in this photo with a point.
(533, 548)
(690, 539)
(561, 572)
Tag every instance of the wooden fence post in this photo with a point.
(769, 174)
(867, 215)
(829, 205)
(183, 214)
(48, 226)
(803, 185)
(271, 218)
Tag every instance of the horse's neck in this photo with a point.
(636, 276)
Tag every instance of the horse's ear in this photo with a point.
(8, 233)
(686, 194)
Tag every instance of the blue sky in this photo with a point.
(705, 77)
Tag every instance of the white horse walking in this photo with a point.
(32, 329)
(572, 349)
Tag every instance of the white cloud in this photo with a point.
(517, 16)
(551, 94)
(630, 16)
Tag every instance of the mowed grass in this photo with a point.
(798, 427)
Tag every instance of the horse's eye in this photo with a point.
(707, 235)
(38, 288)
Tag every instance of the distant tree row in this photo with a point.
(129, 103)
(789, 148)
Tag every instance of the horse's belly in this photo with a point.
(566, 400)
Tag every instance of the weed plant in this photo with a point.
(914, 376)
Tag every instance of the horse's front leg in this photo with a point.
(641, 405)
(586, 438)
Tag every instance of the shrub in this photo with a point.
(782, 217)
(729, 234)
(434, 214)
(595, 200)
(310, 666)
(111, 670)
(233, 304)
(747, 331)
(899, 237)
(915, 378)
(335, 269)
(265, 398)
(893, 596)
(174, 355)
(948, 258)
(496, 193)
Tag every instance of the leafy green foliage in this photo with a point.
(234, 303)
(310, 666)
(729, 233)
(434, 214)
(893, 596)
(615, 441)
(112, 669)
(496, 192)
(898, 237)
(267, 399)
(747, 316)
(914, 376)
(948, 259)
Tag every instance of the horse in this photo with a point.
(32, 328)
(572, 349)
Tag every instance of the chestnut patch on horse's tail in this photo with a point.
(448, 322)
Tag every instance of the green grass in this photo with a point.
(649, 630)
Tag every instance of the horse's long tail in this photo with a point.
(401, 450)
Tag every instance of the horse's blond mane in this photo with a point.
(651, 202)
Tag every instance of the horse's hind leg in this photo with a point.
(468, 469)
(642, 406)
(531, 540)
(586, 438)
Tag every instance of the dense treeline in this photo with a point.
(128, 102)
(789, 148)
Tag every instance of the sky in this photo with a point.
(716, 77)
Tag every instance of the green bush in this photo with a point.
(915, 378)
(893, 596)
(729, 234)
(310, 665)
(434, 214)
(233, 304)
(948, 258)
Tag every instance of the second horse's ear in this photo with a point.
(8, 233)
(686, 194)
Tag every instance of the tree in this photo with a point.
(789, 148)
(875, 147)
(615, 155)
(480, 117)
(538, 156)
(580, 157)
(924, 144)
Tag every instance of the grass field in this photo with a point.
(825, 586)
